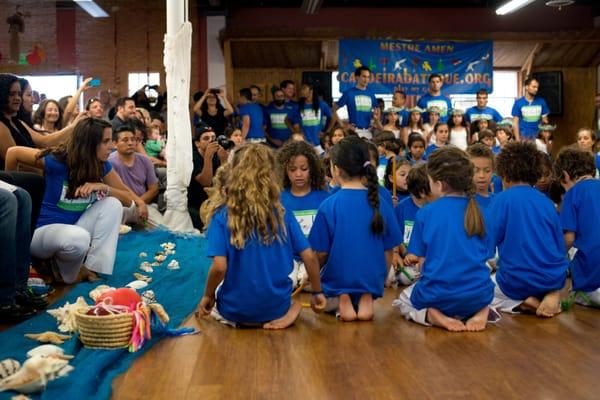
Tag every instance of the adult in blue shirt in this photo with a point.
(280, 119)
(360, 102)
(481, 110)
(435, 98)
(252, 117)
(529, 111)
(312, 109)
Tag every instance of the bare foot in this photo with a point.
(287, 320)
(530, 305)
(478, 321)
(365, 307)
(550, 305)
(347, 312)
(436, 318)
(86, 275)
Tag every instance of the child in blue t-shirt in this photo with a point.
(303, 182)
(526, 229)
(441, 131)
(449, 241)
(252, 241)
(483, 163)
(402, 170)
(354, 234)
(420, 194)
(416, 149)
(579, 216)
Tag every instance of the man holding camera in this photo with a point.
(207, 157)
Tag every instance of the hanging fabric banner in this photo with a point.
(407, 65)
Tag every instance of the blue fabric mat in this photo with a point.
(179, 291)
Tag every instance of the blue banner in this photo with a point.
(407, 64)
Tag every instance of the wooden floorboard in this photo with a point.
(523, 357)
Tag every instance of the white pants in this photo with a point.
(131, 215)
(407, 309)
(502, 302)
(95, 234)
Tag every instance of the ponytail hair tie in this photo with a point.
(366, 164)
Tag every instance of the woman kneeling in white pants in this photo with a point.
(82, 206)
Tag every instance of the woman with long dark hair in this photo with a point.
(81, 212)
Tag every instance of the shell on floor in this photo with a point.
(8, 367)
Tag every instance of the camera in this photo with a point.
(224, 142)
(215, 91)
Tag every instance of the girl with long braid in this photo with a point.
(353, 243)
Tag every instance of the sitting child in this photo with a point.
(441, 131)
(420, 194)
(448, 240)
(402, 169)
(416, 149)
(483, 161)
(303, 182)
(487, 137)
(252, 240)
(354, 234)
(579, 215)
(155, 145)
(526, 228)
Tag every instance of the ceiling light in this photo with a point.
(512, 6)
(92, 8)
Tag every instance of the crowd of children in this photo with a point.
(475, 225)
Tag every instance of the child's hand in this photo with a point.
(395, 200)
(411, 259)
(205, 307)
(397, 260)
(318, 303)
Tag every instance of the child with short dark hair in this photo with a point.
(416, 149)
(488, 138)
(455, 283)
(546, 179)
(579, 215)
(406, 211)
(354, 234)
(526, 228)
(504, 135)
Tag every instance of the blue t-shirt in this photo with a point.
(406, 212)
(360, 105)
(304, 207)
(256, 287)
(597, 157)
(255, 112)
(484, 202)
(455, 278)
(275, 121)
(497, 185)
(530, 114)
(430, 149)
(526, 228)
(580, 213)
(356, 263)
(487, 113)
(311, 121)
(496, 149)
(56, 207)
(403, 115)
(442, 102)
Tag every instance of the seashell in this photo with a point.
(123, 229)
(146, 268)
(48, 337)
(155, 264)
(149, 297)
(20, 397)
(65, 315)
(141, 277)
(36, 372)
(137, 285)
(48, 350)
(174, 264)
(142, 255)
(160, 312)
(99, 290)
(8, 367)
(168, 245)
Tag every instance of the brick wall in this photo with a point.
(130, 40)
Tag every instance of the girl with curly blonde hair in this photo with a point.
(252, 240)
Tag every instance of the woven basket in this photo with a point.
(106, 331)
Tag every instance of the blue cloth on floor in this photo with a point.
(179, 291)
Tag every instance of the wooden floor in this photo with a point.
(523, 357)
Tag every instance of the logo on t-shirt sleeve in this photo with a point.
(408, 228)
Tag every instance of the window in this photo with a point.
(53, 86)
(506, 87)
(139, 79)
